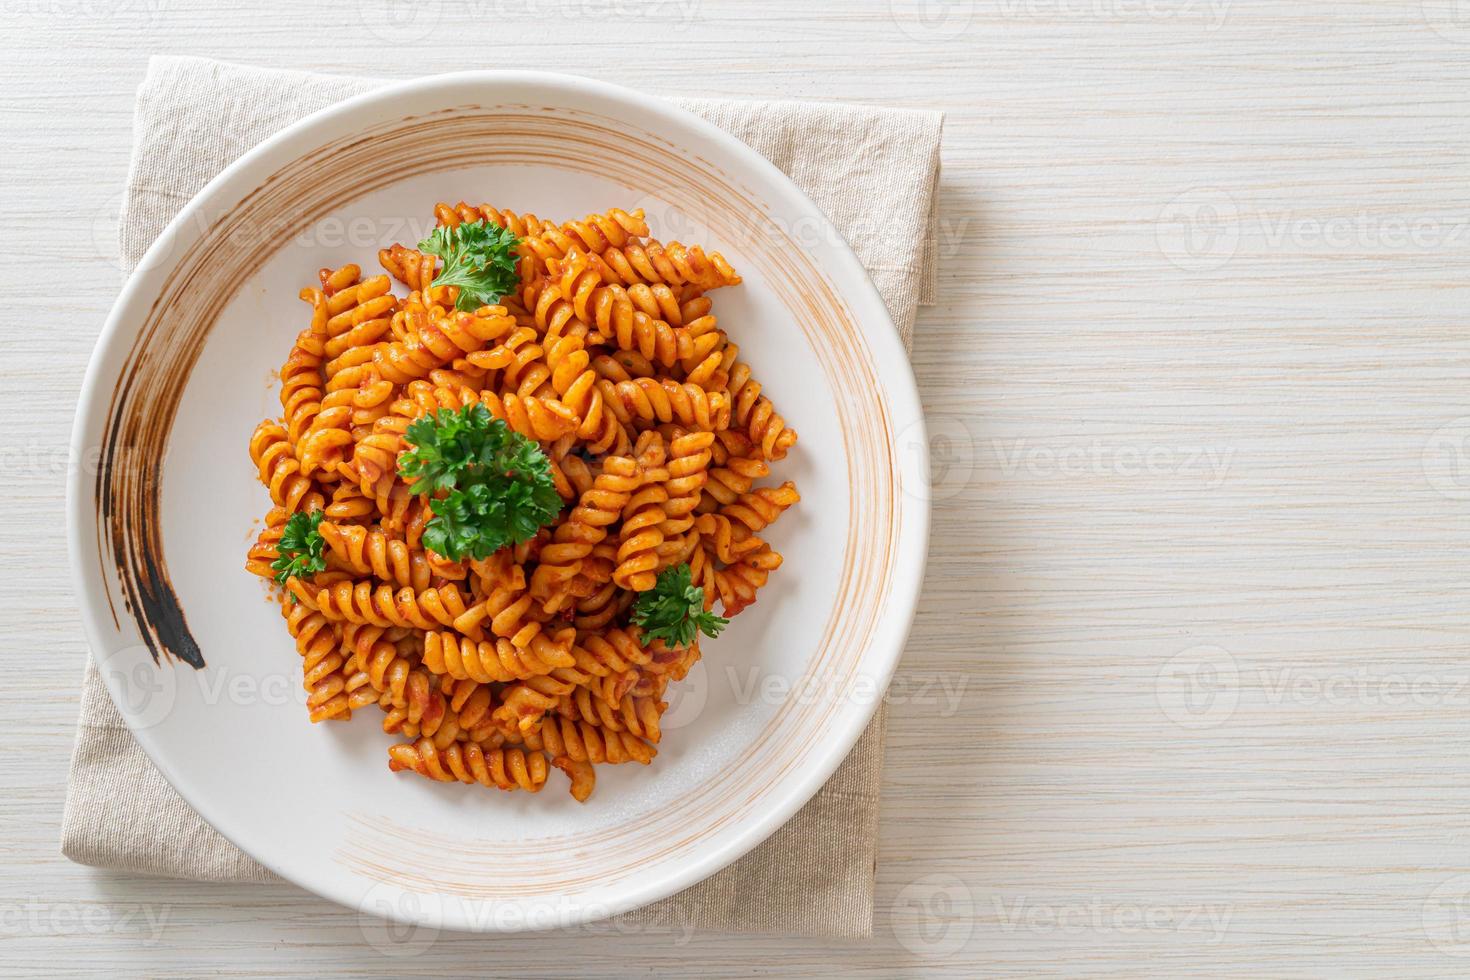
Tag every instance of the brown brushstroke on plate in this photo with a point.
(129, 474)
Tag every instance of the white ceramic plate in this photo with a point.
(184, 370)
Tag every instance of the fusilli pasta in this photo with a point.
(605, 354)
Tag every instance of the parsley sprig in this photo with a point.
(490, 486)
(673, 610)
(479, 257)
(299, 553)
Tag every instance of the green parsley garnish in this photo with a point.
(449, 442)
(299, 552)
(673, 610)
(494, 484)
(479, 257)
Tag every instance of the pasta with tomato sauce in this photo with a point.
(515, 479)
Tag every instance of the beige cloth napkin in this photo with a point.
(814, 876)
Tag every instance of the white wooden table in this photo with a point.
(1189, 690)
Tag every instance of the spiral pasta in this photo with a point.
(379, 660)
(636, 715)
(583, 741)
(756, 416)
(374, 552)
(302, 383)
(656, 401)
(466, 762)
(348, 314)
(319, 644)
(279, 470)
(523, 703)
(499, 660)
(644, 515)
(652, 262)
(595, 235)
(607, 354)
(436, 337)
(736, 465)
(363, 601)
(600, 506)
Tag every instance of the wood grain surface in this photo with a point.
(1188, 693)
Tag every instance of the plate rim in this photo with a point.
(896, 382)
